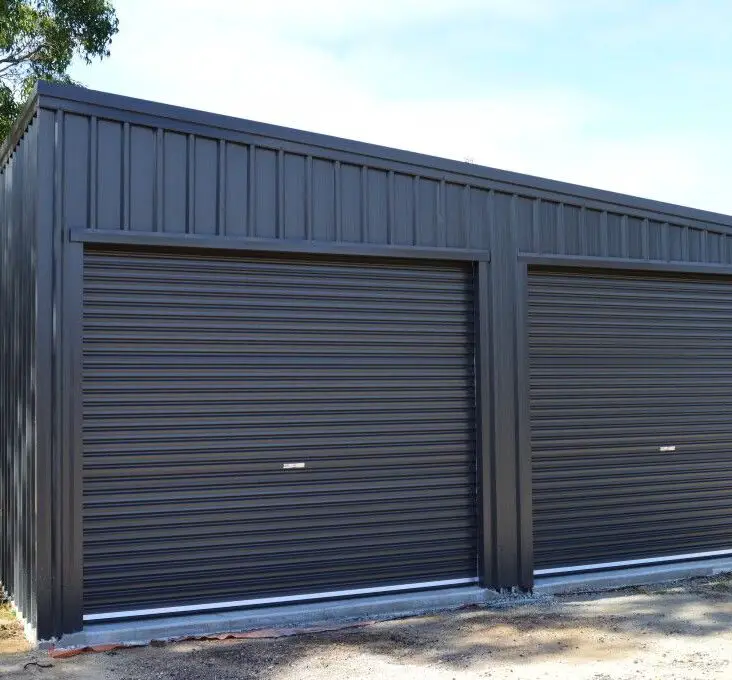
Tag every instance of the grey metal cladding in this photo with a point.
(215, 187)
(190, 121)
(18, 425)
(630, 392)
(162, 168)
(550, 227)
(205, 374)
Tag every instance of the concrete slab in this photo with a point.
(620, 578)
(387, 606)
(143, 631)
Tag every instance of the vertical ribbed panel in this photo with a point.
(630, 414)
(161, 166)
(566, 228)
(143, 176)
(204, 376)
(18, 572)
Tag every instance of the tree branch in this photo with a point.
(27, 52)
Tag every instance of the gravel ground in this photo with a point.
(681, 631)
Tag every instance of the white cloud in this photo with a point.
(328, 17)
(676, 22)
(241, 59)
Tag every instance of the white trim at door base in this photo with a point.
(283, 599)
(600, 566)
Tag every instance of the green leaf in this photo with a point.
(40, 38)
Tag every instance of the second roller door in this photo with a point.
(631, 387)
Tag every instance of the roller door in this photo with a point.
(259, 430)
(631, 388)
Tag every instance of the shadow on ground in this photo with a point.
(588, 626)
(626, 630)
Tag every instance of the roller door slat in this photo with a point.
(630, 391)
(204, 376)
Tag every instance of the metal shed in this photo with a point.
(245, 365)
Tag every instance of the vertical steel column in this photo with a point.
(510, 477)
(44, 348)
(485, 473)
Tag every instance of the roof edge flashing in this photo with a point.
(52, 94)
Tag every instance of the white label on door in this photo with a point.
(666, 448)
(292, 466)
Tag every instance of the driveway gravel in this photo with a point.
(681, 630)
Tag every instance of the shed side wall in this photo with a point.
(18, 423)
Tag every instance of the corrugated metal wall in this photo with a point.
(630, 396)
(147, 178)
(17, 368)
(158, 180)
(205, 375)
(570, 228)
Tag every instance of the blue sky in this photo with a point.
(629, 95)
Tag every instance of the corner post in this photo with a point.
(46, 625)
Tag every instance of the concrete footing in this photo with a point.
(619, 578)
(387, 606)
(142, 631)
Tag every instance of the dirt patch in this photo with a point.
(678, 631)
(12, 639)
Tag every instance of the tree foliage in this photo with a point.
(40, 38)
